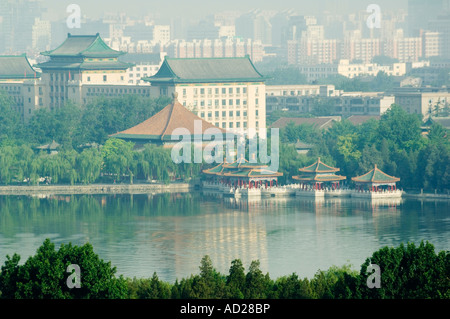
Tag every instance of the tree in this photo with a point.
(400, 128)
(118, 158)
(409, 272)
(11, 126)
(236, 280)
(256, 284)
(322, 107)
(210, 283)
(45, 275)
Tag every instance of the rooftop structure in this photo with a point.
(16, 67)
(374, 179)
(159, 128)
(317, 174)
(317, 122)
(83, 52)
(206, 70)
(241, 173)
(227, 92)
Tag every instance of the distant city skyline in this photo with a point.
(196, 9)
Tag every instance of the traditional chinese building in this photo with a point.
(318, 176)
(15, 72)
(227, 92)
(166, 127)
(241, 173)
(80, 60)
(375, 181)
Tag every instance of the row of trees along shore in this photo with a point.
(406, 272)
(395, 143)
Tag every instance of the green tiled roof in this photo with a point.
(318, 167)
(241, 168)
(100, 65)
(83, 45)
(16, 67)
(182, 70)
(375, 176)
(319, 178)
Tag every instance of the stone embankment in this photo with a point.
(96, 189)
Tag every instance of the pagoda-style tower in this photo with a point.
(319, 175)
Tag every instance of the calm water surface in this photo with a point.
(170, 233)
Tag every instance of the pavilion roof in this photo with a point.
(320, 178)
(161, 125)
(375, 176)
(16, 67)
(188, 70)
(318, 167)
(241, 168)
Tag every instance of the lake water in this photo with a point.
(170, 233)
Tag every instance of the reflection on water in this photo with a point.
(170, 233)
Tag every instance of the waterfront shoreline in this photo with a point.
(95, 189)
(145, 188)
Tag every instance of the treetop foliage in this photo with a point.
(407, 272)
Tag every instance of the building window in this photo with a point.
(230, 102)
(89, 79)
(238, 90)
(230, 113)
(224, 124)
(202, 91)
(244, 90)
(230, 124)
(224, 91)
(224, 114)
(216, 113)
(224, 102)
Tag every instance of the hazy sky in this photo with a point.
(56, 9)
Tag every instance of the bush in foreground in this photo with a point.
(406, 272)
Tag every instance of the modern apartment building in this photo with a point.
(227, 92)
(303, 98)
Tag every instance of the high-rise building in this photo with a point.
(17, 18)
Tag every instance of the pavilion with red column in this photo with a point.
(319, 175)
(242, 173)
(375, 180)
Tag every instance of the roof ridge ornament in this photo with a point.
(174, 96)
